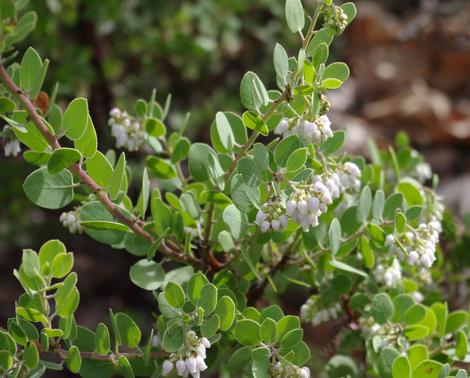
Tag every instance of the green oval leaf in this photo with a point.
(76, 118)
(174, 295)
(147, 274)
(48, 190)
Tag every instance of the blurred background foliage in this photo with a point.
(410, 64)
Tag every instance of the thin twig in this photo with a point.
(87, 180)
(62, 353)
(256, 291)
(254, 135)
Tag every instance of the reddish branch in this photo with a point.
(62, 353)
(88, 181)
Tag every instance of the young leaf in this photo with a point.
(461, 345)
(347, 268)
(378, 205)
(456, 320)
(335, 235)
(411, 191)
(142, 202)
(400, 222)
(350, 10)
(162, 215)
(365, 202)
(195, 285)
(285, 148)
(88, 142)
(333, 144)
(281, 65)
(386, 359)
(428, 369)
(208, 298)
(291, 339)
(174, 295)
(381, 308)
(236, 221)
(367, 253)
(160, 167)
(210, 326)
(246, 332)
(31, 355)
(239, 359)
(74, 360)
(297, 160)
(100, 169)
(115, 184)
(173, 338)
(68, 305)
(253, 94)
(260, 366)
(337, 70)
(29, 135)
(204, 163)
(180, 151)
(268, 330)
(295, 15)
(286, 324)
(30, 68)
(441, 312)
(62, 158)
(225, 309)
(254, 122)
(62, 265)
(322, 37)
(102, 341)
(76, 118)
(224, 131)
(414, 314)
(125, 367)
(155, 127)
(49, 191)
(129, 332)
(147, 274)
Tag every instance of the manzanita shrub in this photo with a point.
(243, 219)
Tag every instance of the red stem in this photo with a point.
(87, 180)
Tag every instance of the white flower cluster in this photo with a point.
(332, 181)
(422, 171)
(389, 275)
(11, 145)
(71, 221)
(383, 335)
(312, 312)
(316, 131)
(271, 216)
(437, 212)
(419, 243)
(369, 327)
(189, 359)
(349, 176)
(307, 203)
(283, 370)
(128, 132)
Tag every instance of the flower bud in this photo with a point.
(304, 372)
(206, 342)
(167, 367)
(191, 365)
(200, 364)
(181, 367)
